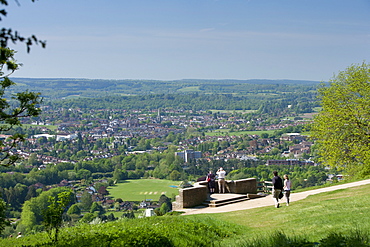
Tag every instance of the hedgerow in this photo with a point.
(153, 231)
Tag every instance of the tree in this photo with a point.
(88, 217)
(74, 209)
(96, 207)
(24, 104)
(31, 192)
(3, 220)
(163, 199)
(86, 201)
(164, 208)
(342, 128)
(128, 214)
(175, 175)
(53, 215)
(32, 209)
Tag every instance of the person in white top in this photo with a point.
(221, 180)
(287, 188)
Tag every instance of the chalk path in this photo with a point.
(268, 201)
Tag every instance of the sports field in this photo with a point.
(143, 189)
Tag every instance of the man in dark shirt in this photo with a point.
(277, 183)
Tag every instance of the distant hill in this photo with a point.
(56, 88)
(256, 81)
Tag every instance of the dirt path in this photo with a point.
(267, 201)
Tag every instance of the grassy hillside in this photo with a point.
(338, 218)
(142, 189)
(313, 218)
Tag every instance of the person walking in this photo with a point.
(277, 183)
(287, 188)
(211, 179)
(221, 174)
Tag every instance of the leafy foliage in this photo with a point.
(342, 128)
(53, 215)
(3, 218)
(153, 231)
(32, 209)
(24, 104)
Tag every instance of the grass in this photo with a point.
(328, 184)
(336, 218)
(143, 189)
(313, 218)
(50, 127)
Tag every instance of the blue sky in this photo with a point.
(191, 39)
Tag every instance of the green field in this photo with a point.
(143, 189)
(50, 127)
(189, 89)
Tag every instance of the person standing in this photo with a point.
(221, 174)
(287, 188)
(211, 179)
(277, 183)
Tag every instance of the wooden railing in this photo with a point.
(264, 186)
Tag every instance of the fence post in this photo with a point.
(268, 186)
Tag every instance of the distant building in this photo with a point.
(58, 137)
(3, 137)
(187, 155)
(290, 162)
(149, 212)
(293, 136)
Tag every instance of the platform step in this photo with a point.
(216, 202)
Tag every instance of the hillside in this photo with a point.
(340, 216)
(56, 88)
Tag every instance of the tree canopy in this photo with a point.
(24, 104)
(342, 128)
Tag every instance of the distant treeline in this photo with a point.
(298, 102)
(56, 88)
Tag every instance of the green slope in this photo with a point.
(338, 218)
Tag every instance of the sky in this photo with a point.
(191, 39)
